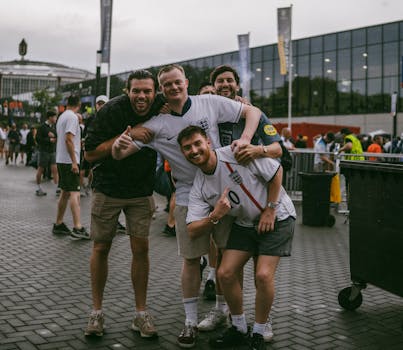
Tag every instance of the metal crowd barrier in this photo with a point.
(303, 160)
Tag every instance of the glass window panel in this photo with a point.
(344, 92)
(329, 65)
(316, 96)
(375, 96)
(268, 52)
(391, 32)
(390, 85)
(256, 54)
(316, 44)
(374, 61)
(316, 65)
(359, 96)
(257, 73)
(359, 62)
(374, 35)
(217, 60)
(344, 64)
(401, 30)
(390, 59)
(303, 91)
(330, 42)
(303, 47)
(208, 62)
(268, 74)
(278, 78)
(303, 66)
(358, 37)
(344, 40)
(330, 97)
(266, 101)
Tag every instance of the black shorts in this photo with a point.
(68, 181)
(273, 243)
(46, 159)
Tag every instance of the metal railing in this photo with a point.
(303, 160)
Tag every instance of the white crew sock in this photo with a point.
(220, 303)
(211, 274)
(259, 328)
(190, 305)
(239, 322)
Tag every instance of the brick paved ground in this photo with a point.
(45, 294)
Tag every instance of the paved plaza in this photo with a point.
(45, 292)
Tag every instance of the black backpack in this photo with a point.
(286, 159)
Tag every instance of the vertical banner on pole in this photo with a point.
(106, 25)
(401, 70)
(244, 63)
(284, 38)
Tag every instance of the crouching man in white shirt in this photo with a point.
(263, 227)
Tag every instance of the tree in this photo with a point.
(46, 99)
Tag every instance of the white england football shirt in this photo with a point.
(205, 111)
(207, 189)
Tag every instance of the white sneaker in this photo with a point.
(268, 331)
(214, 319)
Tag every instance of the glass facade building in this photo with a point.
(343, 73)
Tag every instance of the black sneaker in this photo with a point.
(61, 229)
(257, 342)
(80, 233)
(230, 338)
(209, 290)
(170, 231)
(120, 228)
(203, 264)
(40, 192)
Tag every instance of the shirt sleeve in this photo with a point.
(265, 168)
(228, 110)
(71, 126)
(197, 208)
(266, 131)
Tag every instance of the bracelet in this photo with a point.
(214, 222)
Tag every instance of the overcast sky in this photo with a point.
(154, 32)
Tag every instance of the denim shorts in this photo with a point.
(273, 243)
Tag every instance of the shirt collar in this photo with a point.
(185, 108)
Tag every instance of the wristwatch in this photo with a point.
(273, 205)
(214, 222)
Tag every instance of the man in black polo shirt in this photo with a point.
(122, 185)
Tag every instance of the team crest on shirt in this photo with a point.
(236, 177)
(204, 124)
(269, 130)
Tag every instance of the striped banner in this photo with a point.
(106, 26)
(284, 37)
(244, 63)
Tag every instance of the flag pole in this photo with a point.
(290, 76)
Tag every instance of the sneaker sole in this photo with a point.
(56, 232)
(76, 236)
(213, 327)
(186, 346)
(143, 335)
(91, 334)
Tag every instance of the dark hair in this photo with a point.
(221, 69)
(139, 75)
(345, 131)
(202, 85)
(50, 114)
(190, 131)
(73, 100)
(330, 136)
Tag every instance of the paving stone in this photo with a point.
(45, 294)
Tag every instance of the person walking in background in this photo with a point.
(301, 141)
(352, 145)
(287, 139)
(46, 138)
(24, 131)
(375, 147)
(322, 160)
(14, 143)
(68, 148)
(31, 144)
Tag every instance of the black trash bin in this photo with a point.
(375, 203)
(316, 199)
